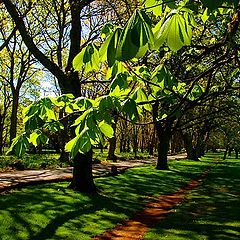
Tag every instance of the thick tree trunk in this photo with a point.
(191, 151)
(82, 173)
(163, 147)
(164, 135)
(230, 151)
(112, 148)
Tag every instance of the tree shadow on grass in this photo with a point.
(51, 211)
(209, 212)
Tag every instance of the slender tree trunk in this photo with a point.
(113, 142)
(230, 151)
(236, 153)
(135, 141)
(1, 138)
(13, 119)
(225, 154)
(152, 143)
(82, 173)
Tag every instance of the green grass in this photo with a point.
(50, 160)
(211, 211)
(121, 156)
(31, 161)
(52, 211)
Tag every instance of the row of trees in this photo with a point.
(173, 66)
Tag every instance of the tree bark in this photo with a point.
(82, 173)
(225, 154)
(236, 153)
(164, 134)
(163, 147)
(1, 138)
(113, 142)
(13, 121)
(191, 151)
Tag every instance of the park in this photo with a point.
(119, 119)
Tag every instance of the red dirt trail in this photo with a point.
(136, 227)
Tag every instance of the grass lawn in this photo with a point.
(52, 211)
(211, 211)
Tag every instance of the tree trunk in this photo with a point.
(13, 125)
(191, 151)
(236, 153)
(225, 154)
(135, 141)
(230, 151)
(163, 147)
(164, 134)
(113, 142)
(112, 148)
(152, 143)
(1, 138)
(82, 173)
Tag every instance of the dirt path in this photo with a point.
(136, 227)
(10, 180)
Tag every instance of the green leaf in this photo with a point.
(212, 4)
(129, 108)
(106, 129)
(106, 104)
(19, 145)
(37, 137)
(175, 31)
(139, 95)
(80, 143)
(88, 59)
(120, 80)
(107, 29)
(112, 47)
(205, 15)
(83, 103)
(33, 122)
(33, 138)
(134, 38)
(117, 68)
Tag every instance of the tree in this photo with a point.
(4, 105)
(132, 54)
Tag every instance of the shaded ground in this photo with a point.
(206, 209)
(14, 179)
(209, 209)
(210, 212)
(52, 211)
(136, 227)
